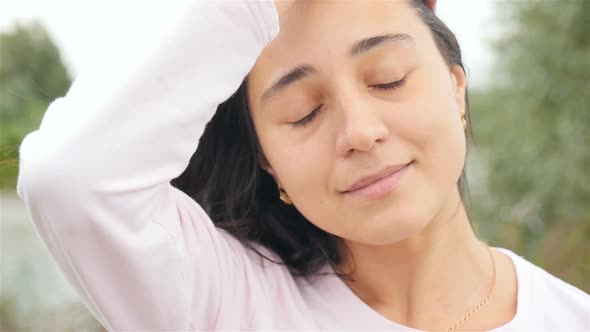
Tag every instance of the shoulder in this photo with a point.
(547, 298)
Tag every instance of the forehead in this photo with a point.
(320, 33)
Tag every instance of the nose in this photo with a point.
(361, 125)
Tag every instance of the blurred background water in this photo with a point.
(529, 164)
(35, 295)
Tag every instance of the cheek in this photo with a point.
(433, 126)
(301, 168)
(304, 170)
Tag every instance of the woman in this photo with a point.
(329, 186)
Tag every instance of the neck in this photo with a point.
(427, 279)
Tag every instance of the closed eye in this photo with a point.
(386, 86)
(308, 118)
(389, 86)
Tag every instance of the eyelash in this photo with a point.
(389, 86)
(386, 86)
(308, 118)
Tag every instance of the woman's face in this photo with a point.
(366, 92)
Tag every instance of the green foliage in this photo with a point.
(533, 129)
(32, 74)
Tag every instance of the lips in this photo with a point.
(368, 180)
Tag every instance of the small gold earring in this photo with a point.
(284, 197)
(464, 122)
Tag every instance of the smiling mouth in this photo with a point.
(379, 185)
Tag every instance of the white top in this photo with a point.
(143, 255)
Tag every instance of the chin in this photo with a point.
(388, 230)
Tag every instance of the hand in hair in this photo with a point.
(430, 4)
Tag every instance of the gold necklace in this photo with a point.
(483, 303)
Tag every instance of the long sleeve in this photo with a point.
(95, 176)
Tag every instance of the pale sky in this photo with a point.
(84, 29)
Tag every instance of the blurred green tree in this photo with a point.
(32, 74)
(532, 129)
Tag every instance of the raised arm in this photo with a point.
(95, 175)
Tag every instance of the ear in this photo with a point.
(459, 87)
(431, 4)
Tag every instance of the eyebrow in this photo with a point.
(365, 45)
(361, 46)
(293, 76)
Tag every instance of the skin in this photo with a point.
(414, 255)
